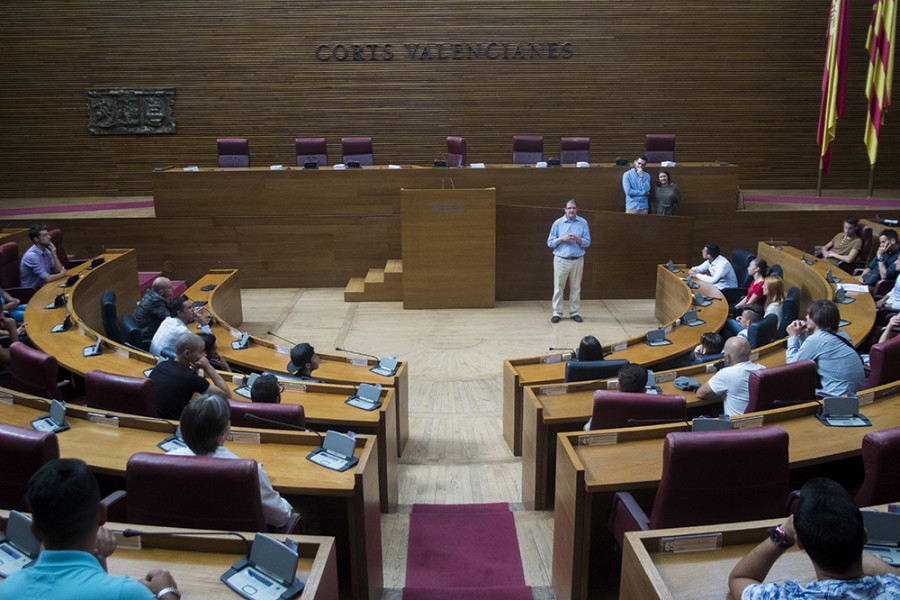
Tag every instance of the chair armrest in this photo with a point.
(114, 507)
(882, 288)
(626, 516)
(734, 295)
(851, 267)
(858, 272)
(293, 526)
(22, 294)
(74, 262)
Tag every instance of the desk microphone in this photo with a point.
(359, 353)
(285, 424)
(281, 338)
(140, 532)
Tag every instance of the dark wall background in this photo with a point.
(736, 81)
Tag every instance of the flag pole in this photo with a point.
(819, 182)
(871, 180)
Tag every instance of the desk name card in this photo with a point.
(690, 543)
(105, 420)
(553, 390)
(747, 422)
(244, 437)
(598, 439)
(867, 398)
(359, 362)
(6, 398)
(294, 386)
(123, 352)
(620, 347)
(666, 377)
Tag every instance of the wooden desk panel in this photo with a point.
(635, 464)
(376, 190)
(550, 369)
(353, 517)
(198, 561)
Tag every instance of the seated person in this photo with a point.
(818, 338)
(632, 378)
(212, 353)
(176, 381)
(891, 330)
(739, 327)
(64, 499)
(304, 361)
(715, 269)
(266, 388)
(14, 331)
(205, 423)
(589, 349)
(154, 306)
(891, 300)
(180, 314)
(12, 306)
(773, 290)
(846, 245)
(884, 265)
(758, 269)
(40, 264)
(709, 348)
(829, 528)
(734, 380)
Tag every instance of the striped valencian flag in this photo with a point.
(834, 79)
(880, 45)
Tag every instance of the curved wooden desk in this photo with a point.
(587, 478)
(197, 561)
(350, 513)
(673, 298)
(323, 404)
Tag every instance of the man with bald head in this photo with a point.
(733, 380)
(153, 307)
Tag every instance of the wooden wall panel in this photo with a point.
(737, 82)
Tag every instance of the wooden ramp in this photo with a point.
(379, 285)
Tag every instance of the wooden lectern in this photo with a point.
(448, 247)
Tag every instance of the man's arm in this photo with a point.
(214, 376)
(754, 567)
(57, 266)
(585, 236)
(553, 238)
(631, 183)
(705, 392)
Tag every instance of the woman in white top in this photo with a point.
(773, 290)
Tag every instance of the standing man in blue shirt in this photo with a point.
(569, 236)
(636, 183)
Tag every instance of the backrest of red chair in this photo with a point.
(290, 414)
(23, 452)
(197, 492)
(456, 151)
(311, 150)
(56, 236)
(659, 147)
(614, 409)
(357, 149)
(9, 265)
(574, 149)
(722, 477)
(865, 234)
(34, 372)
(233, 152)
(880, 454)
(793, 382)
(884, 362)
(120, 393)
(527, 149)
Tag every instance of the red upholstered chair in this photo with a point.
(880, 454)
(613, 410)
(862, 259)
(527, 149)
(24, 451)
(290, 414)
(311, 150)
(456, 151)
(120, 393)
(712, 477)
(792, 383)
(574, 149)
(659, 147)
(213, 493)
(884, 364)
(357, 149)
(9, 273)
(56, 236)
(34, 372)
(233, 152)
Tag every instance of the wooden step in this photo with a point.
(393, 273)
(379, 285)
(355, 290)
(375, 276)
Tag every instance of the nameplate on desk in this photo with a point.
(598, 439)
(553, 358)
(6, 398)
(690, 543)
(236, 334)
(282, 350)
(293, 386)
(129, 543)
(867, 398)
(620, 347)
(747, 422)
(554, 390)
(192, 169)
(754, 355)
(666, 377)
(105, 420)
(359, 362)
(712, 367)
(81, 329)
(668, 328)
(244, 437)
(612, 384)
(123, 352)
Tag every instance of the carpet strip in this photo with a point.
(464, 550)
